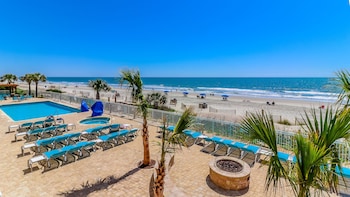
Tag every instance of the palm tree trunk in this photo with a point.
(159, 182)
(29, 90)
(97, 95)
(36, 90)
(146, 153)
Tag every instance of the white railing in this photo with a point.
(211, 126)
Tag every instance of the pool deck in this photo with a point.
(188, 176)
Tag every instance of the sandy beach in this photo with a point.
(118, 166)
(231, 109)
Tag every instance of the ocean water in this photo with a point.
(316, 89)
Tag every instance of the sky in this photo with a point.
(226, 38)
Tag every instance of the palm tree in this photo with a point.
(99, 85)
(135, 82)
(316, 153)
(170, 142)
(344, 83)
(36, 78)
(10, 78)
(143, 109)
(27, 78)
(155, 99)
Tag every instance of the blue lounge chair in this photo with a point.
(343, 171)
(250, 154)
(32, 135)
(25, 127)
(62, 152)
(235, 149)
(212, 145)
(91, 133)
(168, 128)
(61, 128)
(38, 124)
(283, 156)
(223, 147)
(114, 128)
(131, 134)
(49, 131)
(193, 137)
(106, 141)
(49, 122)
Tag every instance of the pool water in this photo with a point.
(99, 120)
(25, 111)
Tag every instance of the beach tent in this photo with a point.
(84, 106)
(224, 97)
(97, 109)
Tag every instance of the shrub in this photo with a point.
(54, 90)
(285, 122)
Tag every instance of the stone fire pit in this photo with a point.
(229, 173)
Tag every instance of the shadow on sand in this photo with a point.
(101, 184)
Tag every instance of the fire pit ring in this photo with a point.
(229, 173)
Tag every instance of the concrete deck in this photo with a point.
(188, 176)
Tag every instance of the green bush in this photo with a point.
(54, 90)
(285, 122)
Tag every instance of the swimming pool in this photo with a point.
(99, 120)
(25, 111)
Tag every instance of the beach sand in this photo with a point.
(231, 110)
(188, 177)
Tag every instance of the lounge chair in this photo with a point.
(236, 149)
(223, 147)
(30, 135)
(114, 128)
(48, 132)
(41, 145)
(193, 137)
(49, 122)
(345, 181)
(61, 128)
(25, 127)
(92, 133)
(62, 152)
(130, 136)
(38, 124)
(107, 141)
(285, 157)
(213, 144)
(250, 154)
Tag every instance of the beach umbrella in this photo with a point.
(202, 94)
(224, 96)
(185, 93)
(166, 91)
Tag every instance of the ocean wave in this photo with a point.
(263, 89)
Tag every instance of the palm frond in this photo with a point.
(260, 126)
(344, 83)
(177, 137)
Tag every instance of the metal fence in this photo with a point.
(210, 126)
